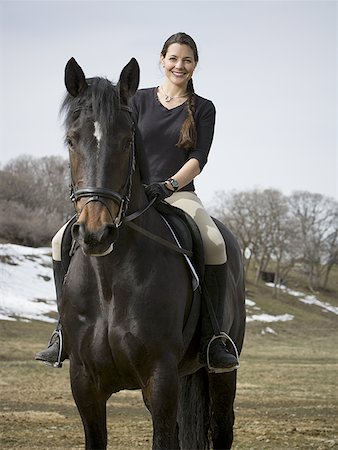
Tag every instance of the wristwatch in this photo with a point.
(174, 183)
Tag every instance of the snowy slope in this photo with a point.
(27, 288)
(26, 283)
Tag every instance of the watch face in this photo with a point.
(174, 183)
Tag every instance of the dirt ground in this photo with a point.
(287, 394)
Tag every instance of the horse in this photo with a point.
(126, 297)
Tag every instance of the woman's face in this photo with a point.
(179, 64)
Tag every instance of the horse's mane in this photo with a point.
(101, 98)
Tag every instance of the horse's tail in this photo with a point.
(194, 411)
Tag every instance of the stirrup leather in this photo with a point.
(222, 335)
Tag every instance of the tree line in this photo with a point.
(274, 230)
(34, 199)
(283, 232)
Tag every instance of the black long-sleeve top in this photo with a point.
(159, 130)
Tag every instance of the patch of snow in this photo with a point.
(263, 317)
(308, 299)
(270, 318)
(26, 283)
(312, 300)
(292, 292)
(249, 302)
(268, 330)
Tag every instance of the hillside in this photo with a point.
(287, 384)
(27, 293)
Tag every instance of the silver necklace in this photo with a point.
(168, 98)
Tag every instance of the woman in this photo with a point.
(176, 127)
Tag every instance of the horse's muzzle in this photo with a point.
(95, 243)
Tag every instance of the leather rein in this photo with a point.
(101, 194)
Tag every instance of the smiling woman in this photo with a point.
(177, 128)
(179, 66)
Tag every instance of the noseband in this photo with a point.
(101, 194)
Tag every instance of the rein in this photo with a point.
(100, 194)
(158, 239)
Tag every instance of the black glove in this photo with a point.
(158, 190)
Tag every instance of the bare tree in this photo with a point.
(284, 249)
(234, 210)
(273, 228)
(39, 183)
(331, 244)
(34, 191)
(248, 216)
(316, 226)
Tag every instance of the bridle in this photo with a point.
(101, 194)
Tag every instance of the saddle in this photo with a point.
(187, 234)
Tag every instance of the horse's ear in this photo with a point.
(75, 79)
(129, 80)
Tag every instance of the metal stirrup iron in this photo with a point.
(58, 363)
(218, 334)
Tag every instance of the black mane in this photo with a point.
(101, 99)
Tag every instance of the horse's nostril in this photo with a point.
(107, 233)
(76, 231)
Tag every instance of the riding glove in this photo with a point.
(158, 190)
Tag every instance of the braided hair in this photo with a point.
(188, 135)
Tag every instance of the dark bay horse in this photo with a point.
(126, 297)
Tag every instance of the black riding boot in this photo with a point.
(54, 354)
(220, 360)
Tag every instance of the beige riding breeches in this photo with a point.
(213, 243)
(56, 242)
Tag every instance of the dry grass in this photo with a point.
(287, 388)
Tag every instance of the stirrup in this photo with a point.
(58, 363)
(211, 369)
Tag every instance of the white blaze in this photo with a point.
(97, 132)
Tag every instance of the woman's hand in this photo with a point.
(158, 190)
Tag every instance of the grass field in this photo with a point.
(287, 387)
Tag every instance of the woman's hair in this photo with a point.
(188, 134)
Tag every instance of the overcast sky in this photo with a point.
(270, 67)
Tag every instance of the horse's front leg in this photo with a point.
(161, 398)
(91, 405)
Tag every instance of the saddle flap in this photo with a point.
(187, 234)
